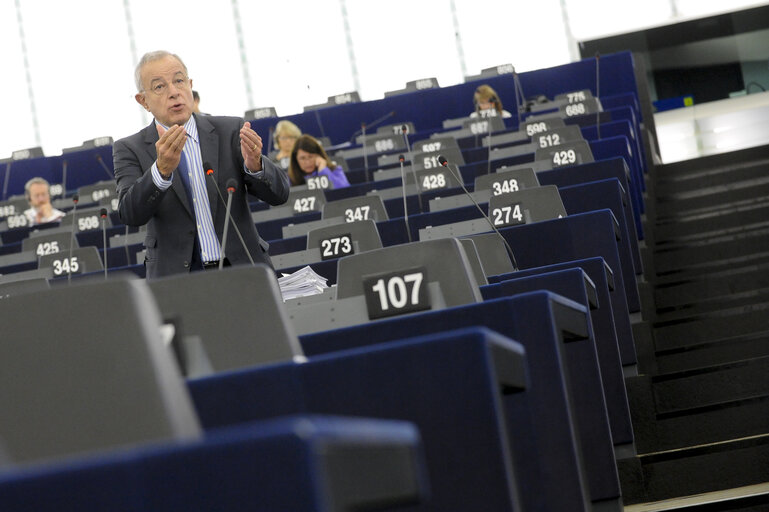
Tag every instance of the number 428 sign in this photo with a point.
(396, 293)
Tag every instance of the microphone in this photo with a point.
(232, 185)
(401, 158)
(210, 173)
(104, 166)
(404, 131)
(64, 178)
(125, 247)
(365, 153)
(75, 199)
(520, 107)
(372, 124)
(442, 160)
(103, 215)
(5, 182)
(598, 93)
(269, 138)
(320, 124)
(488, 153)
(362, 131)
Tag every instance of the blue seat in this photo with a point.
(554, 333)
(609, 194)
(610, 168)
(574, 284)
(579, 236)
(449, 385)
(302, 464)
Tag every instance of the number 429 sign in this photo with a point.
(396, 293)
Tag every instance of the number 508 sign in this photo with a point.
(396, 293)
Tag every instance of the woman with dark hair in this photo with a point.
(309, 159)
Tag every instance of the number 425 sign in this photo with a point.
(396, 293)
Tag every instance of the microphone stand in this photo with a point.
(598, 94)
(75, 199)
(103, 215)
(404, 130)
(365, 153)
(104, 166)
(7, 176)
(405, 208)
(231, 185)
(210, 173)
(64, 178)
(442, 160)
(488, 153)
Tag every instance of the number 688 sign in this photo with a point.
(396, 293)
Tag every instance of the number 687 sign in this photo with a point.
(396, 293)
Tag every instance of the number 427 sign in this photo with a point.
(396, 293)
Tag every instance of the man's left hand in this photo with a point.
(251, 147)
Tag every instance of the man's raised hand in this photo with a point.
(169, 148)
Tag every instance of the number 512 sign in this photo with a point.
(396, 293)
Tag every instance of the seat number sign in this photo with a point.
(66, 266)
(396, 293)
(336, 247)
(318, 182)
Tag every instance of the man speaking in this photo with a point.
(162, 179)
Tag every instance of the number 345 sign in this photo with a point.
(396, 293)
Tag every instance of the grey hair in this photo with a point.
(152, 56)
(35, 181)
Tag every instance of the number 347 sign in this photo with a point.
(396, 293)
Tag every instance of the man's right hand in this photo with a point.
(169, 148)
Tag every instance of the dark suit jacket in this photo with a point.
(170, 219)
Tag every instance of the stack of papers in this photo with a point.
(302, 283)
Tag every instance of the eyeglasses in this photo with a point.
(160, 87)
(287, 137)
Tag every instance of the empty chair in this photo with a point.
(297, 463)
(392, 281)
(45, 273)
(576, 285)
(493, 254)
(78, 261)
(526, 206)
(331, 242)
(49, 242)
(356, 208)
(35, 284)
(445, 261)
(504, 182)
(562, 383)
(364, 235)
(92, 376)
(97, 191)
(237, 312)
(461, 420)
(85, 219)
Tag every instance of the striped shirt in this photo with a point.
(209, 242)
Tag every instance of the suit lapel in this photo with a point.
(150, 138)
(209, 152)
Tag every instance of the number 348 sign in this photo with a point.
(396, 293)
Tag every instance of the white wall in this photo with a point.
(80, 60)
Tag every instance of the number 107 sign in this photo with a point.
(396, 293)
